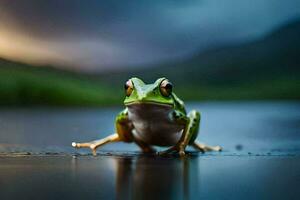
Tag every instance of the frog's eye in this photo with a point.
(128, 88)
(166, 88)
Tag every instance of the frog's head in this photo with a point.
(160, 92)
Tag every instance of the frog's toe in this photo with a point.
(181, 153)
(217, 148)
(94, 152)
(180, 149)
(74, 144)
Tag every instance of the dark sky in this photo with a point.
(96, 35)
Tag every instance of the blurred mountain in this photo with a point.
(274, 55)
(268, 68)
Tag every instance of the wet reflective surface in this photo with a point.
(111, 177)
(261, 157)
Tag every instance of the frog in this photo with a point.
(154, 117)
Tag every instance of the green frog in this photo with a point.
(154, 116)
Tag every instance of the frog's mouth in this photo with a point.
(141, 103)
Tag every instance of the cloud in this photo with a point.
(96, 35)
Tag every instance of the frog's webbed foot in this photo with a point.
(93, 145)
(204, 148)
(179, 148)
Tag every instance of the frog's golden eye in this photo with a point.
(166, 87)
(128, 88)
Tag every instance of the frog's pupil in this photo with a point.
(126, 86)
(169, 86)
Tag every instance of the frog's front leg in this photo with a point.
(123, 129)
(186, 121)
(191, 127)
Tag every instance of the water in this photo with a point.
(261, 157)
(250, 126)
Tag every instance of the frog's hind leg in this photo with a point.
(93, 145)
(194, 132)
(203, 147)
(123, 129)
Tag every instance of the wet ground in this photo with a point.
(261, 157)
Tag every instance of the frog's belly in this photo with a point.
(152, 124)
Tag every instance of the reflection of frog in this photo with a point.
(143, 177)
(154, 115)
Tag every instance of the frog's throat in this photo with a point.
(148, 103)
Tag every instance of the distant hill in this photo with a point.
(25, 85)
(264, 69)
